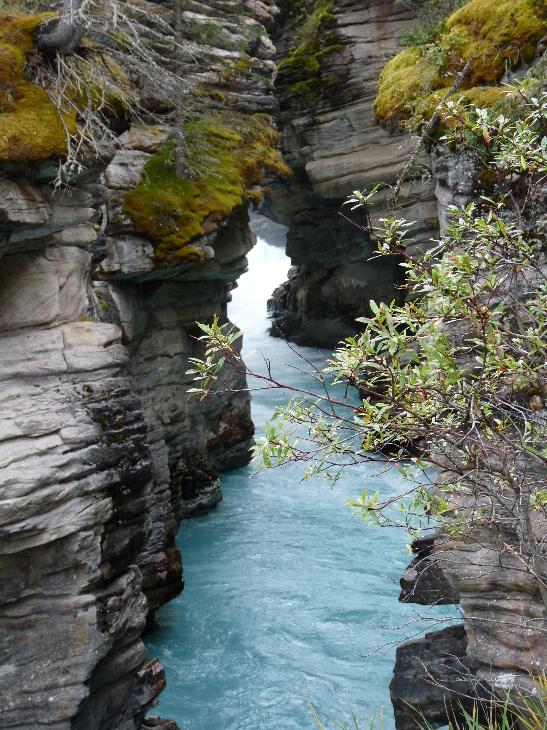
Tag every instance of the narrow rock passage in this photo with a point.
(283, 586)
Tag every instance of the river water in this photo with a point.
(284, 588)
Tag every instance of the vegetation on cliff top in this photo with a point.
(53, 107)
(227, 157)
(65, 80)
(432, 16)
(227, 151)
(31, 128)
(497, 34)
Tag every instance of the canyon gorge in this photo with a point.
(102, 452)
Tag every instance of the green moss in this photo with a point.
(494, 32)
(304, 87)
(302, 64)
(114, 100)
(242, 66)
(228, 157)
(402, 84)
(190, 253)
(299, 74)
(331, 39)
(305, 90)
(263, 117)
(329, 49)
(245, 69)
(214, 94)
(326, 19)
(497, 31)
(482, 97)
(528, 53)
(31, 129)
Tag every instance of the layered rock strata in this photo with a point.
(424, 581)
(101, 451)
(433, 679)
(102, 454)
(156, 310)
(331, 140)
(500, 645)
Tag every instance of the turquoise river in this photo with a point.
(285, 589)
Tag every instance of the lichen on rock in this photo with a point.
(314, 40)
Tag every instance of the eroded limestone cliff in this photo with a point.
(350, 96)
(101, 452)
(501, 643)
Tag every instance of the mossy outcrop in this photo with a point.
(497, 35)
(334, 147)
(35, 128)
(228, 148)
(31, 129)
(299, 74)
(228, 159)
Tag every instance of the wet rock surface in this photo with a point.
(424, 581)
(501, 642)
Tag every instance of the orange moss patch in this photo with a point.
(30, 127)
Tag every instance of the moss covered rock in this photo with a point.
(31, 129)
(226, 159)
(299, 74)
(495, 33)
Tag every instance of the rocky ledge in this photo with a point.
(434, 679)
(499, 646)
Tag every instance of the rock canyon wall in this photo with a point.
(333, 143)
(101, 452)
(340, 134)
(501, 643)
